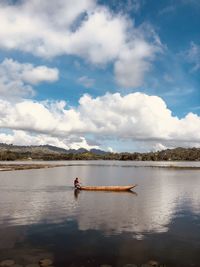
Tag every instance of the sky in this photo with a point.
(116, 75)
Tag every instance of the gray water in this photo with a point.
(41, 215)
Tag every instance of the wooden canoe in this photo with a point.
(108, 188)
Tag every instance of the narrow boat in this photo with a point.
(108, 188)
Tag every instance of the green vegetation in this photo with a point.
(11, 152)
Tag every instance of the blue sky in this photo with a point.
(114, 75)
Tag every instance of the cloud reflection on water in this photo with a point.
(43, 196)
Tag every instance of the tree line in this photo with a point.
(177, 154)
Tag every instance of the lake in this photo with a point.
(41, 216)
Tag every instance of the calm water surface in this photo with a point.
(42, 216)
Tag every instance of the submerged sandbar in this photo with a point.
(27, 166)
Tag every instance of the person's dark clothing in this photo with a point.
(76, 183)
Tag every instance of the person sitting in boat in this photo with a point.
(77, 183)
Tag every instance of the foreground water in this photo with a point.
(41, 216)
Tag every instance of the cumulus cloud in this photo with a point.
(101, 37)
(35, 75)
(136, 117)
(26, 72)
(16, 78)
(80, 28)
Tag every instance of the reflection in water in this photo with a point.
(29, 197)
(46, 197)
(117, 213)
(76, 193)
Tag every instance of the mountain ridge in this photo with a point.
(46, 149)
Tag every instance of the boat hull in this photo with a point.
(108, 188)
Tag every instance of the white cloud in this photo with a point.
(15, 89)
(134, 117)
(35, 75)
(28, 73)
(16, 78)
(80, 28)
(100, 38)
(159, 146)
(26, 26)
(86, 81)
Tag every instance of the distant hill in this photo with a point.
(98, 151)
(47, 149)
(11, 152)
(41, 149)
(48, 152)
